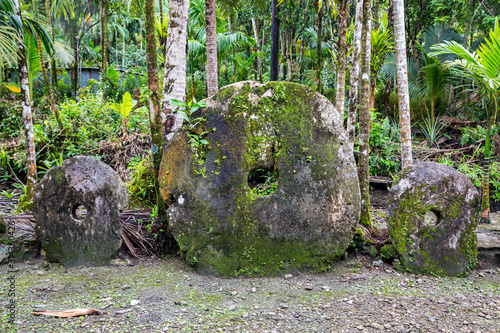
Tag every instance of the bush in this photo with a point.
(141, 187)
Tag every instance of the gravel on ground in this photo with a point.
(357, 295)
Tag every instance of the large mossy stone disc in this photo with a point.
(68, 235)
(225, 227)
(432, 218)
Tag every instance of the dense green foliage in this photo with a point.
(439, 34)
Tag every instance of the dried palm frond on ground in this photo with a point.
(132, 222)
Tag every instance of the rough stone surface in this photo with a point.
(432, 219)
(222, 226)
(67, 237)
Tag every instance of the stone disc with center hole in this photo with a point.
(77, 209)
(274, 189)
(432, 219)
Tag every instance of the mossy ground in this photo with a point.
(353, 294)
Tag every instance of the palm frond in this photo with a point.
(63, 53)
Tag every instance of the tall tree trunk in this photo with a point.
(372, 92)
(27, 112)
(283, 57)
(45, 75)
(402, 74)
(140, 38)
(318, 50)
(104, 44)
(212, 71)
(485, 201)
(364, 117)
(354, 80)
(275, 41)
(341, 57)
(75, 74)
(255, 26)
(52, 59)
(46, 81)
(174, 82)
(376, 15)
(390, 15)
(160, 6)
(154, 106)
(123, 48)
(116, 48)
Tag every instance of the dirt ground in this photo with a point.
(169, 296)
(360, 294)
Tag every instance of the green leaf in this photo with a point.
(126, 106)
(176, 102)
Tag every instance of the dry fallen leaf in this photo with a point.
(67, 313)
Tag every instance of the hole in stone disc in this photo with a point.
(79, 212)
(263, 181)
(432, 218)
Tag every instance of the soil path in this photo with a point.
(355, 297)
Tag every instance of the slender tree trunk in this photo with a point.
(390, 15)
(364, 116)
(75, 76)
(174, 82)
(154, 111)
(46, 81)
(283, 57)
(27, 113)
(45, 75)
(376, 16)
(140, 34)
(402, 74)
(354, 80)
(104, 44)
(372, 92)
(160, 6)
(318, 50)
(123, 48)
(485, 202)
(341, 56)
(52, 59)
(275, 43)
(116, 48)
(212, 71)
(255, 26)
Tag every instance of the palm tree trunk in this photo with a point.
(318, 50)
(372, 92)
(402, 74)
(275, 43)
(364, 117)
(212, 72)
(116, 48)
(376, 16)
(485, 202)
(45, 75)
(341, 57)
(140, 33)
(175, 66)
(104, 44)
(255, 26)
(160, 6)
(46, 81)
(27, 112)
(52, 59)
(75, 76)
(123, 48)
(354, 80)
